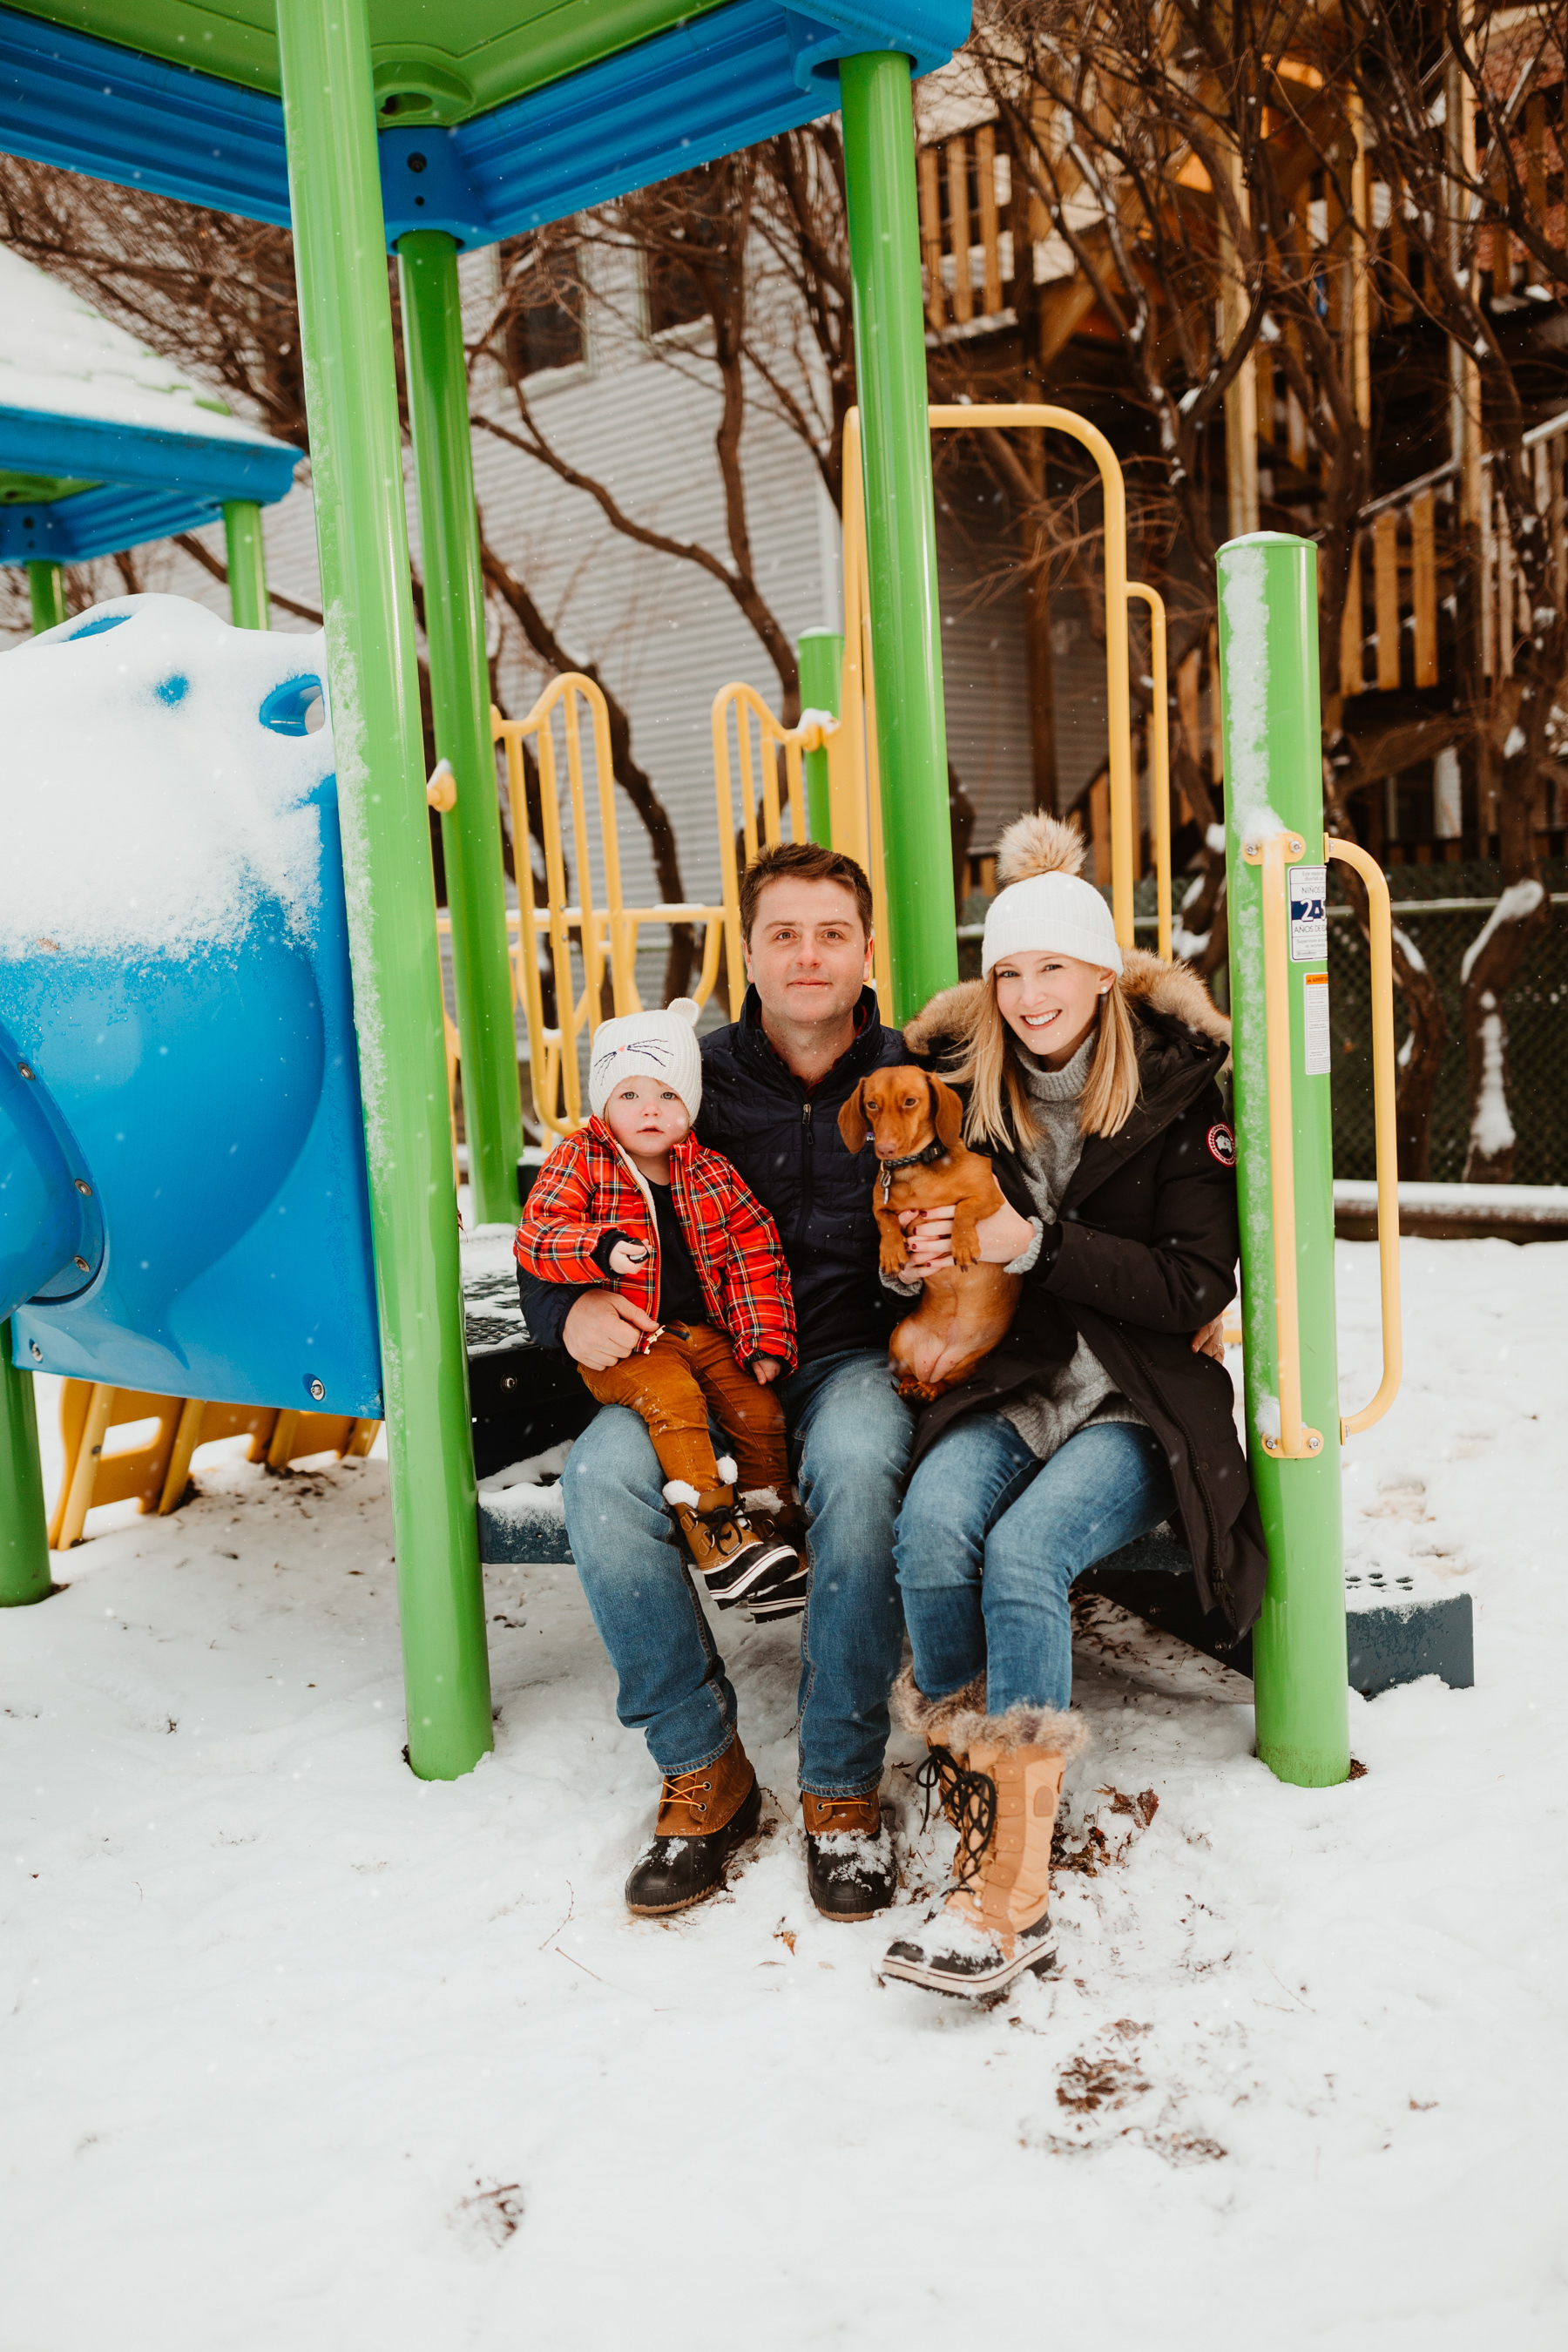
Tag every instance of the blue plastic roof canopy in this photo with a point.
(103, 443)
(145, 484)
(718, 82)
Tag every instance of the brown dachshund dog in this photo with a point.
(914, 1122)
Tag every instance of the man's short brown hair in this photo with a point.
(802, 861)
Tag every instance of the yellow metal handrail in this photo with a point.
(861, 813)
(755, 723)
(1386, 1128)
(1295, 1441)
(1159, 761)
(606, 935)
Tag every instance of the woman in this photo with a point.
(1092, 1077)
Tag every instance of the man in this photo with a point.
(773, 1086)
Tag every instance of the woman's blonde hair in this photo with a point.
(999, 1111)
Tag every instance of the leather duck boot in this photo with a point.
(850, 1868)
(703, 1816)
(999, 1779)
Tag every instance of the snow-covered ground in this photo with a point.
(299, 2052)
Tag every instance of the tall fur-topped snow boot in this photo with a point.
(998, 1779)
(703, 1816)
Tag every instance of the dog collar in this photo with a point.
(888, 1169)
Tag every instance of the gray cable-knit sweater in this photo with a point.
(1048, 1412)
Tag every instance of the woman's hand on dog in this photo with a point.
(1003, 1236)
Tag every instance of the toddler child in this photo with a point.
(633, 1201)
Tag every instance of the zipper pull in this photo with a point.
(806, 1118)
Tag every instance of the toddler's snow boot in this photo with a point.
(779, 1526)
(998, 1779)
(704, 1815)
(850, 1868)
(728, 1553)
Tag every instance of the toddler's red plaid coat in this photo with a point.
(585, 1189)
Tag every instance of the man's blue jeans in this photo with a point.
(990, 1538)
(850, 1448)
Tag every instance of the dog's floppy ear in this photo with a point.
(946, 1113)
(852, 1122)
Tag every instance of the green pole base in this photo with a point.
(24, 1519)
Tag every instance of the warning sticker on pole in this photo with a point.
(1315, 1028)
(1309, 914)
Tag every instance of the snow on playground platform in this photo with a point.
(301, 2052)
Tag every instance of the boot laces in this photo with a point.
(970, 1801)
(685, 1787)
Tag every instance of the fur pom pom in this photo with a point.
(1038, 843)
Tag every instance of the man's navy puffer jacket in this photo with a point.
(787, 1146)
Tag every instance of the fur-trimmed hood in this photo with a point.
(1149, 984)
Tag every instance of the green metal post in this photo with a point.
(821, 679)
(1273, 780)
(47, 590)
(460, 702)
(247, 600)
(345, 323)
(901, 523)
(24, 1519)
(24, 1516)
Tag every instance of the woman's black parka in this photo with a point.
(1143, 1255)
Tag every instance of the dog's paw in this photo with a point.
(917, 1391)
(895, 1257)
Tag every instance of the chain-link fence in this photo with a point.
(1440, 910)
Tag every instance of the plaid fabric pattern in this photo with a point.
(586, 1190)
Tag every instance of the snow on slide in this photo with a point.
(301, 2052)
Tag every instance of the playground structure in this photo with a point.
(465, 157)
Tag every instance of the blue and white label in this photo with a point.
(1309, 914)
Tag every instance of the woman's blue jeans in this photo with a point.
(990, 1538)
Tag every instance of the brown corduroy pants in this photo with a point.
(689, 1373)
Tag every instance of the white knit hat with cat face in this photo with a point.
(661, 1045)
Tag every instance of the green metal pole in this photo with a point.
(345, 323)
(901, 523)
(47, 590)
(1273, 779)
(24, 1515)
(24, 1518)
(460, 700)
(247, 600)
(821, 681)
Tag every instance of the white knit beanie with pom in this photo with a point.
(1045, 908)
(661, 1045)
